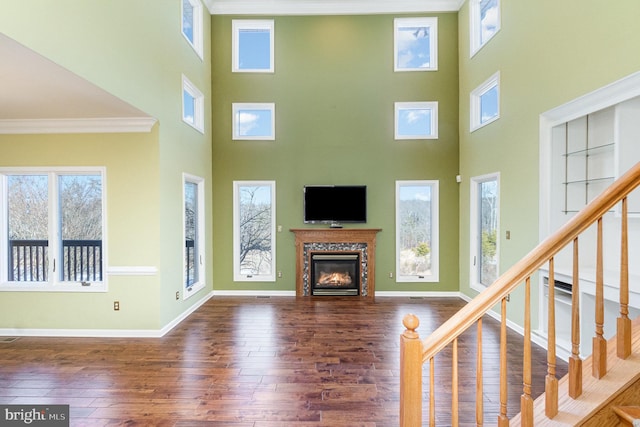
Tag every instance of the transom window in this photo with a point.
(53, 238)
(417, 246)
(485, 22)
(252, 50)
(192, 105)
(485, 213)
(254, 229)
(254, 121)
(416, 120)
(485, 102)
(192, 24)
(415, 44)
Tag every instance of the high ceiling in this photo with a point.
(40, 96)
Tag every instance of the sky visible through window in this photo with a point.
(254, 49)
(488, 19)
(489, 104)
(255, 123)
(187, 20)
(415, 192)
(413, 48)
(414, 122)
(189, 107)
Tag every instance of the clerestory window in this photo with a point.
(484, 22)
(415, 44)
(192, 24)
(252, 46)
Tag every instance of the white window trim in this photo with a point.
(237, 277)
(188, 292)
(197, 43)
(473, 229)
(475, 109)
(251, 24)
(435, 244)
(433, 106)
(54, 284)
(475, 28)
(266, 106)
(432, 23)
(198, 107)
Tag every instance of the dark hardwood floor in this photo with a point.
(261, 362)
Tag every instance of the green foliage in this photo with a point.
(489, 244)
(422, 249)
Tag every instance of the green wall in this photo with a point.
(135, 51)
(548, 53)
(334, 90)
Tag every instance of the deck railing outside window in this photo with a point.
(29, 260)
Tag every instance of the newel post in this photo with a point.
(410, 374)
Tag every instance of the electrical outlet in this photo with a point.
(116, 305)
(391, 275)
(279, 274)
(177, 295)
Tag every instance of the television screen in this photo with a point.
(335, 204)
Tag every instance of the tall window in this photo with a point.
(193, 249)
(485, 102)
(54, 229)
(415, 44)
(252, 46)
(485, 22)
(192, 24)
(485, 210)
(254, 230)
(417, 231)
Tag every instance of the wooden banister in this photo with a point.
(520, 272)
(528, 265)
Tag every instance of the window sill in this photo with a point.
(46, 287)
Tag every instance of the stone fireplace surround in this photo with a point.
(334, 240)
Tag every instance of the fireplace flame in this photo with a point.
(335, 279)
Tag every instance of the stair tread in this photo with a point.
(596, 392)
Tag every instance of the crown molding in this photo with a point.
(329, 7)
(99, 125)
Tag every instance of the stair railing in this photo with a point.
(414, 352)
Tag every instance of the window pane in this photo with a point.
(488, 217)
(191, 233)
(80, 205)
(255, 229)
(187, 20)
(414, 239)
(28, 207)
(414, 122)
(488, 19)
(188, 113)
(489, 105)
(254, 47)
(255, 123)
(413, 47)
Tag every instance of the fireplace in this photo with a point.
(335, 273)
(352, 241)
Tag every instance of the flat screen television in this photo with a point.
(335, 204)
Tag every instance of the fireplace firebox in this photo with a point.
(335, 273)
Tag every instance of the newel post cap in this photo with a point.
(411, 322)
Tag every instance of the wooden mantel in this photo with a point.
(366, 236)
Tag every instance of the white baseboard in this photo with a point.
(426, 294)
(254, 293)
(105, 333)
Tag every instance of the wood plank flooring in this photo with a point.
(261, 362)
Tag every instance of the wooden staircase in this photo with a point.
(588, 394)
(600, 397)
